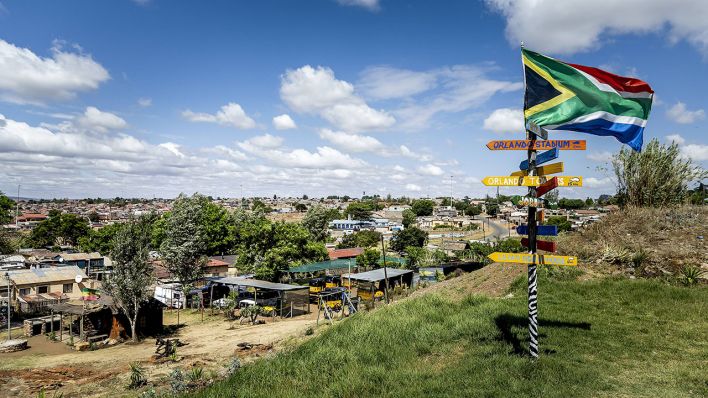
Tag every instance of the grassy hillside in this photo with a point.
(609, 337)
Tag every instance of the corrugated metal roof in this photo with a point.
(377, 274)
(45, 275)
(80, 256)
(258, 284)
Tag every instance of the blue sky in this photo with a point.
(152, 98)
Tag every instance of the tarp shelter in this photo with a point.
(288, 300)
(370, 282)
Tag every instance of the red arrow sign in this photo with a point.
(541, 245)
(546, 187)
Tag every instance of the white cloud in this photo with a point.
(173, 148)
(145, 102)
(460, 88)
(284, 122)
(371, 5)
(95, 120)
(383, 82)
(695, 152)
(230, 114)
(679, 113)
(26, 77)
(413, 187)
(352, 142)
(317, 91)
(324, 157)
(266, 141)
(602, 157)
(675, 138)
(430, 170)
(414, 155)
(571, 26)
(505, 120)
(593, 182)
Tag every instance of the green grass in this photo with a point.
(604, 338)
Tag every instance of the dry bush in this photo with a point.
(642, 241)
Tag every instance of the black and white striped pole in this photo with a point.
(533, 283)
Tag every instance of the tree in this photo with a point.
(657, 176)
(359, 210)
(363, 238)
(423, 207)
(589, 202)
(409, 218)
(132, 272)
(571, 204)
(185, 243)
(100, 240)
(412, 236)
(218, 229)
(7, 207)
(473, 210)
(59, 228)
(368, 259)
(93, 216)
(317, 221)
(260, 205)
(301, 207)
(561, 222)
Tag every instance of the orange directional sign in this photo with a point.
(552, 168)
(523, 145)
(526, 258)
(531, 181)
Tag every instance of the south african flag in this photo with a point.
(562, 96)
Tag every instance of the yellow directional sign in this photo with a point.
(530, 181)
(526, 258)
(552, 168)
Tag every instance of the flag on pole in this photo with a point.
(562, 96)
(90, 294)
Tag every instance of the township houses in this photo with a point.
(33, 289)
(336, 254)
(430, 222)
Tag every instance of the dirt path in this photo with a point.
(209, 344)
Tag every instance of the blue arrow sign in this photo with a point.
(546, 230)
(541, 158)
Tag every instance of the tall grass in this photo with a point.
(599, 338)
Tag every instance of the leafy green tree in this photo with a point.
(7, 207)
(492, 209)
(185, 239)
(157, 235)
(261, 206)
(301, 207)
(368, 259)
(589, 202)
(363, 238)
(93, 216)
(422, 207)
(360, 210)
(657, 176)
(317, 221)
(412, 236)
(409, 218)
(473, 210)
(218, 228)
(571, 204)
(561, 222)
(58, 228)
(132, 272)
(100, 240)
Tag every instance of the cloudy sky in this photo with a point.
(154, 97)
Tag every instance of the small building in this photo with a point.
(216, 267)
(34, 289)
(12, 262)
(351, 252)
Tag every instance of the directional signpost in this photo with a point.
(552, 168)
(542, 158)
(545, 230)
(531, 181)
(544, 245)
(525, 145)
(534, 176)
(533, 258)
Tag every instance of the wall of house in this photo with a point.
(53, 287)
